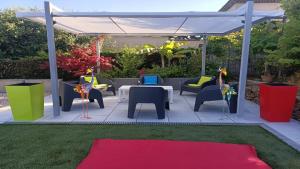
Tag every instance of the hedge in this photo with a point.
(28, 68)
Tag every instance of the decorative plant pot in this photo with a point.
(277, 101)
(232, 102)
(26, 100)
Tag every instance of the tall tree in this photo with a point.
(288, 53)
(22, 38)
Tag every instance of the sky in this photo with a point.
(121, 5)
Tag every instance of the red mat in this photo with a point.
(162, 154)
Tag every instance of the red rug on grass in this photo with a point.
(163, 154)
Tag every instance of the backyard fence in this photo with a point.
(255, 66)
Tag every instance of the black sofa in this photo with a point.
(155, 95)
(196, 89)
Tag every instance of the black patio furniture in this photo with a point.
(196, 89)
(213, 93)
(209, 93)
(67, 95)
(155, 95)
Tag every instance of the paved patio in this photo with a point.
(181, 111)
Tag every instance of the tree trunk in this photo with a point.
(169, 62)
(162, 61)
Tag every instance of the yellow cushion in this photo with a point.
(89, 79)
(203, 79)
(101, 86)
(194, 85)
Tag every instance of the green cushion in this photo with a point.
(89, 79)
(202, 80)
(101, 86)
(194, 85)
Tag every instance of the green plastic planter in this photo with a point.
(26, 100)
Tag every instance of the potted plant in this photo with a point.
(26, 100)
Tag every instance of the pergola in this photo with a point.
(151, 24)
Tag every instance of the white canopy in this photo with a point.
(150, 23)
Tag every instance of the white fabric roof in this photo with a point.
(151, 23)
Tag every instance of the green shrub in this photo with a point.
(171, 71)
(128, 63)
(27, 68)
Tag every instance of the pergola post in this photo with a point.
(245, 56)
(52, 58)
(203, 55)
(98, 52)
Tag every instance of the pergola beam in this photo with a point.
(245, 57)
(147, 14)
(52, 58)
(269, 14)
(203, 59)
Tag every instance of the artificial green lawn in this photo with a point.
(63, 146)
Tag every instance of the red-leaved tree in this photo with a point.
(80, 59)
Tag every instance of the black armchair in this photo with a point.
(212, 93)
(67, 95)
(209, 93)
(109, 83)
(156, 95)
(159, 80)
(196, 89)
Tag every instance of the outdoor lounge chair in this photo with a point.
(209, 93)
(187, 85)
(67, 95)
(213, 93)
(101, 82)
(155, 95)
(149, 79)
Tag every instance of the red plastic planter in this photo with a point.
(277, 101)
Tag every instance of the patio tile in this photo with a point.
(64, 117)
(290, 129)
(214, 117)
(214, 111)
(182, 112)
(246, 117)
(5, 114)
(147, 113)
(93, 118)
(119, 114)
